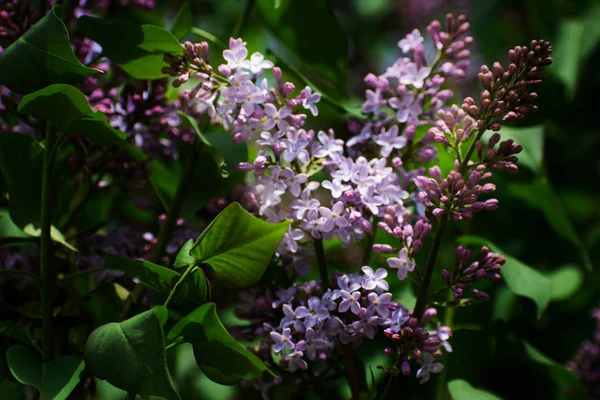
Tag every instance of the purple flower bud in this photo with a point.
(491, 204)
(405, 368)
(382, 248)
(428, 315)
(389, 351)
(446, 275)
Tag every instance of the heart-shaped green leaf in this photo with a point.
(41, 57)
(219, 355)
(131, 354)
(238, 246)
(68, 109)
(462, 390)
(138, 49)
(55, 380)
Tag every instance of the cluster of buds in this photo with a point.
(194, 62)
(453, 127)
(506, 95)
(467, 272)
(452, 44)
(499, 159)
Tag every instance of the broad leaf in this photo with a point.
(164, 177)
(208, 147)
(238, 246)
(182, 24)
(55, 381)
(137, 49)
(68, 109)
(564, 378)
(55, 235)
(219, 355)
(12, 330)
(155, 277)
(41, 57)
(131, 354)
(184, 258)
(520, 278)
(462, 390)
(566, 282)
(532, 140)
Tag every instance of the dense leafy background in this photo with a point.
(548, 221)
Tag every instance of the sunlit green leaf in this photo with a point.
(462, 390)
(532, 140)
(238, 246)
(566, 282)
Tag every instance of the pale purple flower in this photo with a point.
(257, 63)
(291, 238)
(402, 262)
(336, 187)
(389, 140)
(310, 100)
(373, 102)
(329, 146)
(276, 117)
(270, 197)
(378, 304)
(315, 224)
(371, 201)
(375, 280)
(295, 361)
(284, 296)
(282, 340)
(304, 203)
(407, 107)
(398, 319)
(350, 302)
(252, 97)
(346, 284)
(335, 214)
(294, 181)
(312, 314)
(345, 170)
(414, 75)
(291, 318)
(428, 367)
(311, 343)
(444, 333)
(295, 147)
(236, 54)
(410, 41)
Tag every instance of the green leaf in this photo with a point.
(12, 330)
(41, 57)
(55, 380)
(219, 355)
(131, 354)
(238, 246)
(155, 277)
(462, 390)
(212, 151)
(566, 54)
(198, 289)
(137, 49)
(288, 21)
(164, 177)
(184, 258)
(532, 140)
(68, 109)
(55, 235)
(182, 25)
(21, 160)
(566, 282)
(520, 278)
(564, 378)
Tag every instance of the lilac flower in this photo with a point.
(270, 197)
(336, 187)
(252, 96)
(373, 102)
(403, 263)
(276, 117)
(378, 304)
(414, 75)
(346, 284)
(329, 146)
(410, 41)
(334, 216)
(428, 367)
(375, 280)
(285, 296)
(350, 302)
(444, 333)
(236, 54)
(399, 318)
(294, 181)
(310, 100)
(282, 340)
(407, 107)
(314, 313)
(304, 204)
(295, 147)
(371, 201)
(389, 140)
(291, 318)
(312, 343)
(257, 63)
(295, 361)
(316, 224)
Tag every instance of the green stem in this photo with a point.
(422, 296)
(351, 371)
(470, 151)
(46, 272)
(441, 378)
(169, 226)
(180, 282)
(320, 253)
(370, 240)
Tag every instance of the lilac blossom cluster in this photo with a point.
(467, 272)
(586, 361)
(306, 324)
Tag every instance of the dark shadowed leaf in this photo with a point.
(219, 355)
(564, 378)
(155, 277)
(41, 57)
(182, 25)
(183, 257)
(462, 390)
(68, 109)
(138, 49)
(520, 278)
(208, 147)
(55, 381)
(238, 246)
(131, 354)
